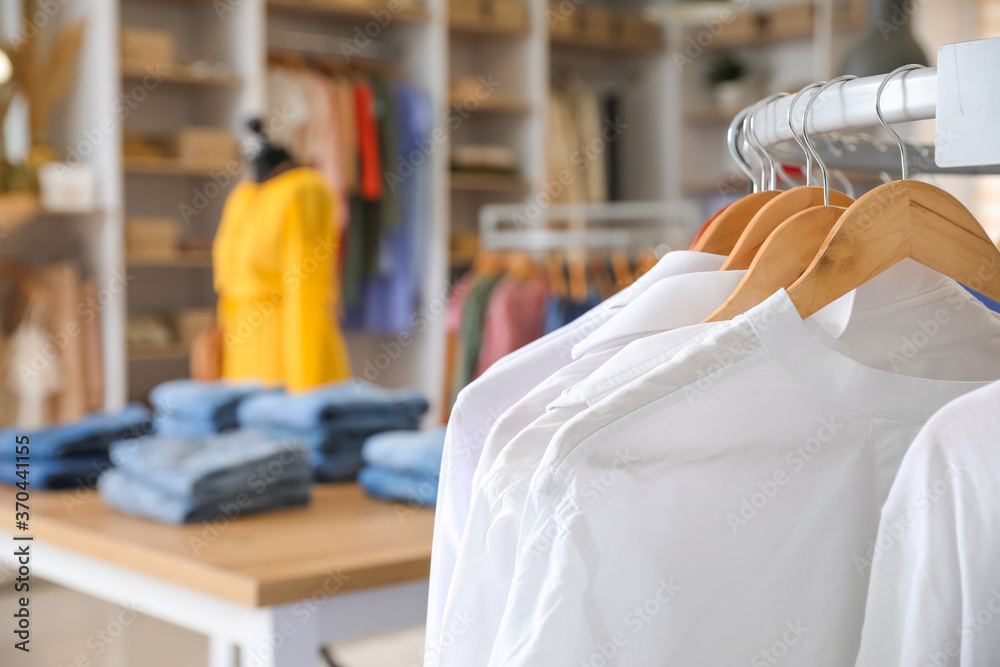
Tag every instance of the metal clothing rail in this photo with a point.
(512, 226)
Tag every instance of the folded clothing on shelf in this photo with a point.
(69, 455)
(182, 480)
(191, 408)
(411, 487)
(403, 465)
(334, 422)
(354, 402)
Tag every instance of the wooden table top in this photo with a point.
(344, 541)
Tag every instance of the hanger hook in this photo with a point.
(791, 126)
(805, 133)
(760, 147)
(881, 119)
(733, 141)
(757, 161)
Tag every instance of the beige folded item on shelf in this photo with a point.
(143, 46)
(484, 157)
(152, 238)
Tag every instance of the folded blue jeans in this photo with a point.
(89, 436)
(57, 474)
(399, 485)
(413, 451)
(210, 468)
(355, 399)
(337, 436)
(178, 426)
(336, 467)
(202, 402)
(134, 496)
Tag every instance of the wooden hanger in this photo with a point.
(780, 260)
(899, 220)
(555, 270)
(892, 222)
(795, 200)
(722, 235)
(622, 268)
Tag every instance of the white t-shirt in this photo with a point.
(481, 403)
(707, 512)
(934, 595)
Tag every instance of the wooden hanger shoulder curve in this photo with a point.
(892, 222)
(774, 213)
(781, 259)
(722, 235)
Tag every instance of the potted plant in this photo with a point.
(727, 77)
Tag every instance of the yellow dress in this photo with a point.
(274, 259)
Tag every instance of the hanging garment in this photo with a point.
(934, 595)
(473, 317)
(513, 450)
(514, 318)
(32, 381)
(805, 456)
(273, 258)
(479, 405)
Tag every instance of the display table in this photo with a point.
(276, 586)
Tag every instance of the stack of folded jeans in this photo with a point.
(193, 409)
(333, 421)
(403, 465)
(190, 480)
(72, 455)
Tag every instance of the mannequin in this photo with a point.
(270, 160)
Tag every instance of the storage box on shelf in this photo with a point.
(144, 46)
(152, 238)
(489, 17)
(204, 147)
(790, 21)
(597, 27)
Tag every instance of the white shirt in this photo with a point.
(654, 492)
(508, 460)
(480, 404)
(934, 596)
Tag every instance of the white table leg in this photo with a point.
(221, 652)
(287, 636)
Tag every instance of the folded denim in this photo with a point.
(206, 469)
(177, 426)
(412, 451)
(353, 399)
(90, 436)
(336, 467)
(336, 436)
(400, 485)
(202, 402)
(57, 474)
(134, 496)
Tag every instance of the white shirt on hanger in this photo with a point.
(934, 596)
(684, 443)
(480, 404)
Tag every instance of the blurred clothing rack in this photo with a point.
(604, 225)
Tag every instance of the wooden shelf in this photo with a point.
(192, 260)
(349, 10)
(484, 27)
(842, 22)
(179, 74)
(488, 183)
(709, 116)
(491, 105)
(706, 186)
(577, 42)
(173, 351)
(165, 166)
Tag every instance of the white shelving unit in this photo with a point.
(431, 51)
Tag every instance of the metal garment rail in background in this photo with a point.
(509, 226)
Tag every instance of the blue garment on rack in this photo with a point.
(399, 485)
(134, 496)
(190, 408)
(57, 474)
(410, 451)
(987, 301)
(348, 403)
(213, 468)
(90, 436)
